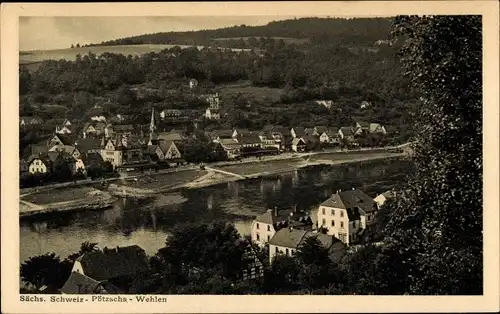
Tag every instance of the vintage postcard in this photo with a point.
(250, 157)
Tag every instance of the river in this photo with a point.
(147, 223)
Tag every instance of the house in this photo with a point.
(297, 132)
(298, 145)
(212, 114)
(311, 141)
(98, 119)
(39, 164)
(61, 140)
(250, 140)
(193, 83)
(346, 214)
(267, 224)
(309, 131)
(362, 127)
(121, 150)
(87, 160)
(330, 136)
(78, 283)
(325, 103)
(171, 114)
(57, 157)
(382, 198)
(347, 133)
(28, 121)
(239, 132)
(170, 136)
(88, 145)
(254, 267)
(94, 129)
(320, 129)
(364, 104)
(216, 136)
(165, 150)
(63, 129)
(268, 140)
(231, 147)
(118, 266)
(377, 128)
(212, 100)
(122, 129)
(69, 149)
(288, 240)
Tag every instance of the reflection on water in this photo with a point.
(148, 222)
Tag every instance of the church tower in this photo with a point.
(152, 126)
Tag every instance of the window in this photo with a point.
(341, 224)
(268, 228)
(323, 211)
(323, 222)
(287, 252)
(258, 237)
(276, 250)
(333, 212)
(268, 238)
(333, 223)
(342, 214)
(257, 225)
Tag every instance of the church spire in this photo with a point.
(152, 126)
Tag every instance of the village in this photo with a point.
(108, 145)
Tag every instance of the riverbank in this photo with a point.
(222, 173)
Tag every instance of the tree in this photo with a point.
(45, 270)
(435, 232)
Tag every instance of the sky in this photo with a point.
(43, 33)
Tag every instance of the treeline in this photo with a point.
(358, 31)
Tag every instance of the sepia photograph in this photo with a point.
(285, 154)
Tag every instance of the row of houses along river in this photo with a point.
(147, 222)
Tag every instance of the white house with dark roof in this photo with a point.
(346, 214)
(266, 225)
(288, 240)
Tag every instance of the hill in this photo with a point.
(359, 31)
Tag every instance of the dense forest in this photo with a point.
(340, 69)
(343, 32)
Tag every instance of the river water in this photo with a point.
(147, 223)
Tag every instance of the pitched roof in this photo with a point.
(326, 240)
(350, 199)
(309, 138)
(80, 284)
(225, 133)
(111, 263)
(249, 138)
(92, 159)
(170, 136)
(346, 131)
(296, 141)
(299, 131)
(321, 128)
(309, 131)
(86, 144)
(374, 126)
(66, 139)
(273, 217)
(363, 124)
(229, 143)
(288, 237)
(123, 128)
(42, 157)
(333, 132)
(165, 145)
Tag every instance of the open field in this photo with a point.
(63, 194)
(165, 180)
(257, 92)
(27, 57)
(341, 156)
(246, 169)
(288, 40)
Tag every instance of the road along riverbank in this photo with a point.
(157, 184)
